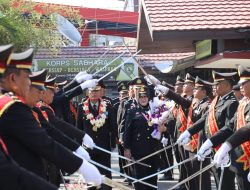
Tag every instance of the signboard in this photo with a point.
(203, 49)
(66, 69)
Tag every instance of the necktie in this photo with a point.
(95, 108)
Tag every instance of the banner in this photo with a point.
(66, 69)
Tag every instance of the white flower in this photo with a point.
(89, 116)
(85, 108)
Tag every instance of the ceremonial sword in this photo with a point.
(120, 156)
(109, 63)
(95, 63)
(150, 155)
(121, 174)
(104, 76)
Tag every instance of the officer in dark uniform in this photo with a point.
(123, 95)
(240, 155)
(221, 111)
(196, 108)
(37, 86)
(95, 117)
(26, 141)
(20, 178)
(62, 104)
(138, 141)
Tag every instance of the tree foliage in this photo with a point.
(25, 26)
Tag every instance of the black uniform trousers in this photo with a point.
(204, 178)
(142, 171)
(228, 178)
(243, 183)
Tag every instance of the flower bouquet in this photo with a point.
(158, 114)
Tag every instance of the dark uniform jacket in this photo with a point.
(240, 136)
(63, 126)
(14, 177)
(55, 133)
(61, 101)
(137, 134)
(224, 112)
(28, 143)
(105, 135)
(123, 110)
(228, 131)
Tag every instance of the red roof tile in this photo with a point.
(95, 52)
(198, 14)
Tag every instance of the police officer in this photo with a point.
(20, 178)
(240, 155)
(26, 141)
(123, 95)
(196, 108)
(221, 111)
(138, 141)
(95, 117)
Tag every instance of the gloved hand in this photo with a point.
(184, 138)
(88, 141)
(164, 141)
(161, 88)
(82, 76)
(82, 153)
(89, 84)
(90, 173)
(205, 150)
(222, 153)
(151, 79)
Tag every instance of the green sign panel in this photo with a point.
(203, 49)
(66, 69)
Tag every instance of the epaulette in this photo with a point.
(7, 100)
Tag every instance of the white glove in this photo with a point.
(82, 153)
(164, 141)
(248, 177)
(89, 84)
(90, 173)
(88, 141)
(184, 138)
(82, 76)
(161, 88)
(205, 150)
(221, 154)
(152, 80)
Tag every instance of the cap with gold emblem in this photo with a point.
(38, 79)
(5, 52)
(189, 78)
(244, 74)
(122, 88)
(50, 83)
(22, 60)
(143, 91)
(219, 77)
(179, 80)
(199, 82)
(138, 81)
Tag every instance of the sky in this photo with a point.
(108, 4)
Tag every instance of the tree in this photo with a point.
(28, 24)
